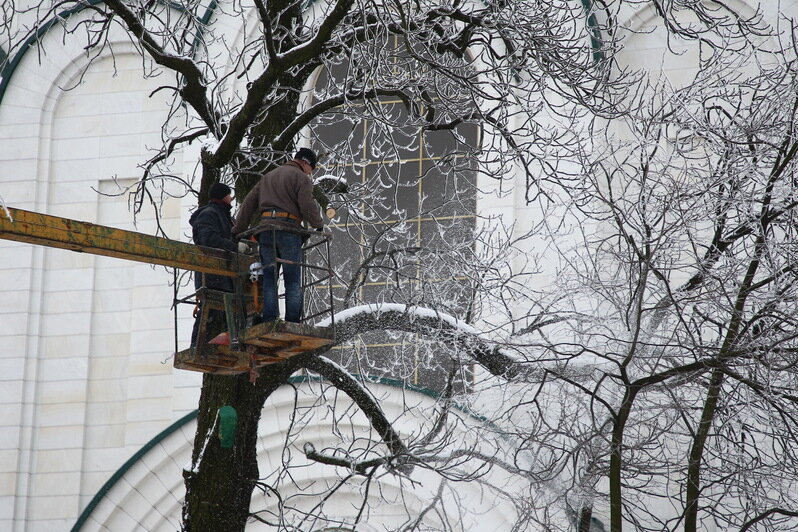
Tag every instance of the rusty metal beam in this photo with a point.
(84, 237)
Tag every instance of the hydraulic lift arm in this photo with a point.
(84, 237)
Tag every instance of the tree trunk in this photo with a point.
(716, 381)
(616, 460)
(220, 482)
(585, 519)
(209, 177)
(697, 452)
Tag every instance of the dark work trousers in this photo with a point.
(287, 246)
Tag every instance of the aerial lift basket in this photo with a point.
(245, 346)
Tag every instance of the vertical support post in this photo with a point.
(174, 303)
(329, 282)
(205, 310)
(230, 317)
(274, 270)
(303, 281)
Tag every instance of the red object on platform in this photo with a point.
(221, 339)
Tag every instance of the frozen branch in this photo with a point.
(766, 515)
(361, 467)
(302, 55)
(301, 121)
(194, 90)
(357, 320)
(365, 401)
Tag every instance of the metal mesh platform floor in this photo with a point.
(263, 344)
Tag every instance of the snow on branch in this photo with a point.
(496, 357)
(392, 316)
(382, 308)
(360, 467)
(195, 465)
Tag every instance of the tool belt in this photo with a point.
(274, 213)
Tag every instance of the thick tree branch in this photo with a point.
(194, 90)
(489, 355)
(765, 515)
(265, 20)
(361, 467)
(288, 134)
(259, 89)
(345, 382)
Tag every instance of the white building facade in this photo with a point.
(97, 426)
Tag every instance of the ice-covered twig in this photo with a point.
(360, 467)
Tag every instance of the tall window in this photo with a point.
(406, 227)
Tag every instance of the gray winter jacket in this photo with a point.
(286, 189)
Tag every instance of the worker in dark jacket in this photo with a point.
(284, 198)
(211, 226)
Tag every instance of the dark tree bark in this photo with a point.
(585, 519)
(219, 485)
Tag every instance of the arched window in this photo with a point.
(405, 229)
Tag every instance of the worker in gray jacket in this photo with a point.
(284, 198)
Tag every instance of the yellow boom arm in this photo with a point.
(84, 237)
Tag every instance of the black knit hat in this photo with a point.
(307, 155)
(219, 191)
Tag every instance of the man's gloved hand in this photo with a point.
(244, 247)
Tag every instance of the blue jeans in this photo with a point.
(287, 246)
